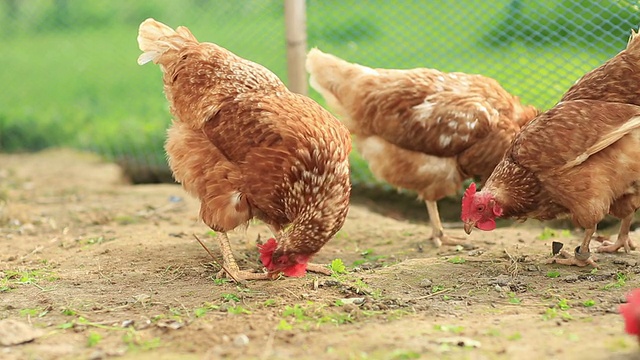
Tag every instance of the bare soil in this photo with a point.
(98, 268)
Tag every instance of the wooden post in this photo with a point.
(295, 17)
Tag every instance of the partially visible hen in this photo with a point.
(580, 159)
(421, 129)
(248, 148)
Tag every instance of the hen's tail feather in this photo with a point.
(608, 139)
(328, 71)
(330, 75)
(633, 45)
(155, 38)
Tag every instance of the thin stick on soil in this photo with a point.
(214, 259)
(432, 294)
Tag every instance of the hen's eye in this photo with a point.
(480, 208)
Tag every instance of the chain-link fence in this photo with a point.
(69, 74)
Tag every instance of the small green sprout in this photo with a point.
(588, 303)
(93, 339)
(237, 310)
(563, 304)
(284, 325)
(513, 299)
(553, 274)
(457, 260)
(337, 267)
(231, 297)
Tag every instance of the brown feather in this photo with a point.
(421, 129)
(248, 147)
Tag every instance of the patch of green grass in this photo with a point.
(337, 267)
(621, 280)
(69, 312)
(238, 310)
(33, 312)
(284, 325)
(93, 339)
(588, 303)
(455, 329)
(550, 314)
(456, 260)
(230, 297)
(515, 336)
(203, 310)
(563, 304)
(220, 281)
(548, 233)
(513, 299)
(405, 355)
(437, 288)
(13, 278)
(553, 274)
(126, 219)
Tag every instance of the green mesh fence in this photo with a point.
(69, 74)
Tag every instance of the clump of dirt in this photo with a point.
(100, 268)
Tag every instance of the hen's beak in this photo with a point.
(468, 226)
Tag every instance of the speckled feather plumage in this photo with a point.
(421, 129)
(248, 147)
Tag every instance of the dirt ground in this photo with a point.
(95, 268)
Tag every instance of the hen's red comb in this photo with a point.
(266, 253)
(467, 200)
(266, 256)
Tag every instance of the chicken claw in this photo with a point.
(621, 242)
(440, 239)
(566, 258)
(230, 267)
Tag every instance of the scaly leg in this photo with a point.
(623, 239)
(582, 256)
(438, 236)
(231, 267)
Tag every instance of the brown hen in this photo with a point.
(580, 159)
(421, 129)
(248, 148)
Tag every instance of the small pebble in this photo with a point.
(426, 283)
(502, 280)
(241, 340)
(627, 262)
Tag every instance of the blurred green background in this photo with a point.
(69, 74)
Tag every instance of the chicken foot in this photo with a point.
(230, 267)
(623, 239)
(437, 235)
(582, 256)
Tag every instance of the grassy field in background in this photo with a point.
(74, 81)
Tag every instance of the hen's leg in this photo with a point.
(582, 256)
(623, 239)
(229, 263)
(438, 236)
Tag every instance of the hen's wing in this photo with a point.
(443, 123)
(267, 136)
(568, 134)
